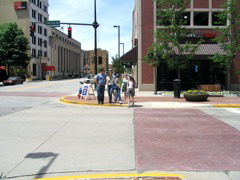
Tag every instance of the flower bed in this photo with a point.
(196, 95)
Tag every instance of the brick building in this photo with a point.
(201, 19)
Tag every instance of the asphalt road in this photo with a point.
(41, 137)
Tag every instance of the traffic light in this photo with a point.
(69, 32)
(32, 29)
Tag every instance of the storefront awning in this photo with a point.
(131, 56)
(204, 51)
(48, 68)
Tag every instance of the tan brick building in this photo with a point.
(102, 60)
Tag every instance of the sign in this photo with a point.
(86, 91)
(20, 5)
(53, 23)
(48, 68)
(202, 35)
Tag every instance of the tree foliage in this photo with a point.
(170, 45)
(116, 63)
(229, 36)
(13, 46)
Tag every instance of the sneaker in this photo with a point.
(120, 102)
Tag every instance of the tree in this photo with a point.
(229, 36)
(116, 63)
(13, 46)
(170, 45)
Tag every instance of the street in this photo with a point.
(41, 137)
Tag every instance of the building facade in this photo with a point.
(201, 19)
(102, 60)
(66, 56)
(26, 14)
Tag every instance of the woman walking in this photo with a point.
(118, 83)
(124, 87)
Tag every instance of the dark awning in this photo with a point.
(130, 56)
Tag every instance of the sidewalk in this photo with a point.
(147, 99)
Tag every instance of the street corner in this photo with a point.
(88, 102)
(124, 176)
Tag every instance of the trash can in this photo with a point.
(176, 87)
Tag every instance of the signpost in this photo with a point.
(53, 23)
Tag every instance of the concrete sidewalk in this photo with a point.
(147, 99)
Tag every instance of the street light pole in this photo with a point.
(123, 47)
(118, 46)
(95, 26)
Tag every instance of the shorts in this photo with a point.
(130, 92)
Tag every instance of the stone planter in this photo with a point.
(196, 97)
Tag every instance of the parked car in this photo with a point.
(13, 80)
(86, 79)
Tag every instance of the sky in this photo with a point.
(109, 13)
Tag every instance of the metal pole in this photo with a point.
(123, 47)
(119, 49)
(95, 38)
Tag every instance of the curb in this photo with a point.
(90, 104)
(226, 105)
(149, 176)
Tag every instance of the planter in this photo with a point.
(196, 97)
(28, 79)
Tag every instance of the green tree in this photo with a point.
(13, 46)
(170, 45)
(116, 63)
(229, 36)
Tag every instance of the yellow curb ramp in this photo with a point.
(63, 99)
(226, 105)
(102, 176)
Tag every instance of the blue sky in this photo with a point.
(109, 13)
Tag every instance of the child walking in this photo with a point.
(131, 90)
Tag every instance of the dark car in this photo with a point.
(13, 80)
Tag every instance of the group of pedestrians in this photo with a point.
(116, 84)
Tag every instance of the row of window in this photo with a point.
(40, 42)
(40, 17)
(199, 19)
(40, 5)
(35, 54)
(66, 40)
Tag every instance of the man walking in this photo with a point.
(100, 82)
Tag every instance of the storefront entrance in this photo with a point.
(197, 72)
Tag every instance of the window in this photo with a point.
(33, 52)
(45, 19)
(45, 54)
(34, 68)
(40, 29)
(45, 8)
(45, 32)
(187, 18)
(33, 13)
(39, 41)
(39, 52)
(45, 43)
(99, 60)
(40, 4)
(201, 18)
(34, 40)
(216, 21)
(39, 17)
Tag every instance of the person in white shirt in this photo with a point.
(131, 90)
